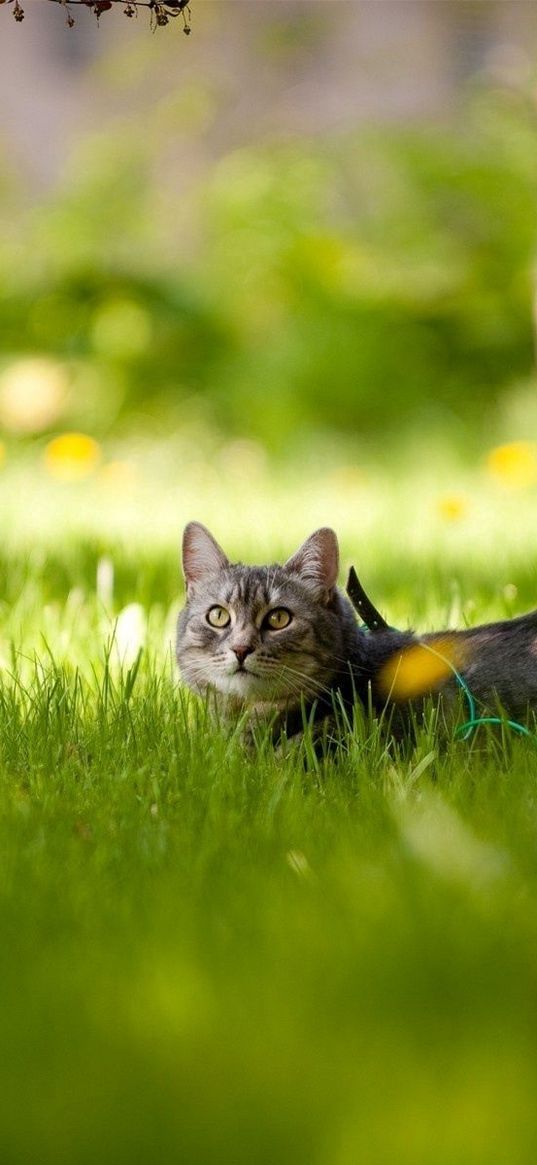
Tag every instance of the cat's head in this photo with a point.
(262, 634)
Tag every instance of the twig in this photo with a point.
(161, 11)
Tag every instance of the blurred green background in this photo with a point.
(331, 276)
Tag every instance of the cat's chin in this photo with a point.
(246, 686)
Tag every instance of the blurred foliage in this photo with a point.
(359, 285)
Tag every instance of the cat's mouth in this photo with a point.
(241, 670)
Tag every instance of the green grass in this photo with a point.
(212, 956)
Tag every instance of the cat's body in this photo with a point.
(285, 639)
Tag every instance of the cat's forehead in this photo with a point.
(250, 586)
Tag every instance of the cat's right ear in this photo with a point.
(201, 554)
(316, 562)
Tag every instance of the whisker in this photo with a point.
(311, 685)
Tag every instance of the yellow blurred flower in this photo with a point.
(32, 394)
(72, 456)
(2, 453)
(452, 507)
(419, 669)
(514, 465)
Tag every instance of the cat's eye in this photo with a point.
(218, 617)
(277, 619)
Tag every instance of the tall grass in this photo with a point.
(217, 955)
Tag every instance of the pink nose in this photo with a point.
(242, 652)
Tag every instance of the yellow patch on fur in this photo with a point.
(420, 669)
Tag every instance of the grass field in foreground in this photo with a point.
(214, 957)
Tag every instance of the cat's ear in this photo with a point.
(201, 554)
(316, 562)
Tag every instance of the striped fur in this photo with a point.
(322, 653)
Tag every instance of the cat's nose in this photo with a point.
(242, 652)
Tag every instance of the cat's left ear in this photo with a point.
(316, 562)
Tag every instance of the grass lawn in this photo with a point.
(214, 957)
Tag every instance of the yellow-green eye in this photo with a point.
(277, 619)
(218, 617)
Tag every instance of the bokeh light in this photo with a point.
(514, 465)
(72, 456)
(33, 394)
(452, 507)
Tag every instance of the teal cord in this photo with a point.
(474, 721)
(374, 622)
(469, 725)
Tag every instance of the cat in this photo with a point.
(283, 640)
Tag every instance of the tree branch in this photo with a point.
(160, 11)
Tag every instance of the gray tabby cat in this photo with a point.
(285, 638)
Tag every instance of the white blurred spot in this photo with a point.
(130, 633)
(298, 863)
(105, 582)
(33, 393)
